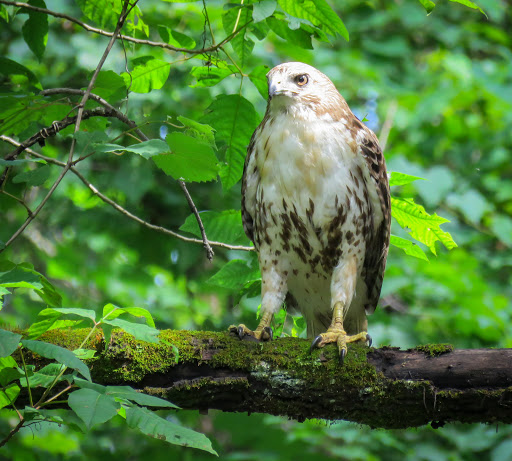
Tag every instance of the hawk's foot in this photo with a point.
(339, 336)
(244, 333)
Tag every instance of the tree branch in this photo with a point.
(386, 388)
(115, 205)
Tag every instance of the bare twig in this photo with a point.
(388, 124)
(122, 210)
(126, 37)
(207, 247)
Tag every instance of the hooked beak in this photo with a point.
(277, 88)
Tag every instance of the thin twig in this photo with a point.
(14, 431)
(122, 210)
(125, 37)
(388, 124)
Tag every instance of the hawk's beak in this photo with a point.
(277, 88)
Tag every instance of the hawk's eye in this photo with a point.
(301, 80)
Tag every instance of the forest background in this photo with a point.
(437, 90)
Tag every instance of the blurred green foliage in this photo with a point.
(437, 89)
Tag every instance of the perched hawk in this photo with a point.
(315, 202)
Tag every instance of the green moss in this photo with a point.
(435, 350)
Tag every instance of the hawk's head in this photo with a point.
(300, 88)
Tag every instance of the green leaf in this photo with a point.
(86, 313)
(424, 227)
(110, 312)
(191, 159)
(225, 226)
(469, 4)
(36, 177)
(258, 77)
(20, 161)
(209, 75)
(318, 12)
(148, 74)
(409, 247)
(428, 5)
(92, 407)
(19, 278)
(45, 376)
(84, 354)
(35, 29)
(38, 328)
(175, 38)
(234, 119)
(61, 355)
(298, 37)
(151, 424)
(198, 130)
(138, 330)
(263, 10)
(146, 149)
(9, 394)
(234, 275)
(126, 393)
(8, 342)
(9, 370)
(233, 19)
(110, 85)
(401, 179)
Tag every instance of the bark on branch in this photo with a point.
(386, 388)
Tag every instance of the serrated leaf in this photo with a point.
(151, 424)
(408, 247)
(8, 342)
(92, 407)
(111, 312)
(318, 12)
(36, 177)
(225, 226)
(234, 119)
(263, 10)
(61, 355)
(401, 179)
(146, 149)
(35, 29)
(140, 331)
(175, 38)
(127, 393)
(258, 77)
(233, 19)
(424, 227)
(428, 5)
(198, 130)
(234, 275)
(191, 159)
(147, 74)
(209, 75)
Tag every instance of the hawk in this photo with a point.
(315, 202)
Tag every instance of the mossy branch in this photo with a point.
(385, 388)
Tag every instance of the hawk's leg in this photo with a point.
(336, 334)
(273, 292)
(343, 286)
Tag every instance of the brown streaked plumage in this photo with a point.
(315, 202)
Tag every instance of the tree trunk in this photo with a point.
(385, 388)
